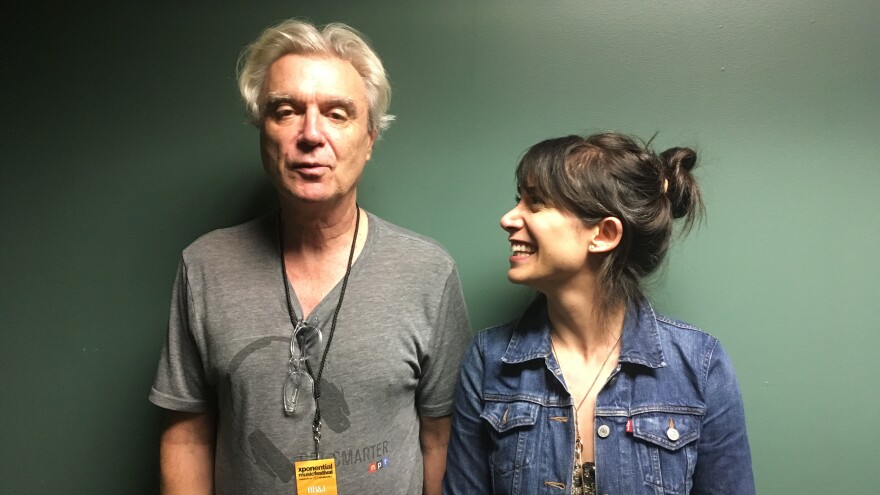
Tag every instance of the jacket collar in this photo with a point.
(639, 344)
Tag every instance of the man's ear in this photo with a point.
(608, 233)
(373, 135)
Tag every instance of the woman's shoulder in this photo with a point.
(674, 330)
(495, 337)
(690, 346)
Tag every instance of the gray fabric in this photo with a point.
(395, 355)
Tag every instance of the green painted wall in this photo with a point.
(123, 140)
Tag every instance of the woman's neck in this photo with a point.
(578, 324)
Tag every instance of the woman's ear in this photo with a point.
(608, 233)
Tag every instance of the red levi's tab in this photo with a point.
(629, 425)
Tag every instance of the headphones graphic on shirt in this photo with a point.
(259, 448)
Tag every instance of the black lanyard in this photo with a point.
(316, 423)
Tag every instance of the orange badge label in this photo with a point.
(316, 476)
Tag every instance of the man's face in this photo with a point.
(314, 135)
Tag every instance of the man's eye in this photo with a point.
(337, 115)
(282, 111)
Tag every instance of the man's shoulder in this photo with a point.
(250, 236)
(416, 247)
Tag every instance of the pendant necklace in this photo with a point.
(583, 478)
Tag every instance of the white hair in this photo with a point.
(338, 40)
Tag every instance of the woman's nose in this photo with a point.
(511, 220)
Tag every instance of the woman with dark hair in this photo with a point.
(590, 391)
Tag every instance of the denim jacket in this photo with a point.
(669, 419)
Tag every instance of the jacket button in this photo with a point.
(672, 433)
(603, 431)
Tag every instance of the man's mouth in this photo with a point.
(308, 165)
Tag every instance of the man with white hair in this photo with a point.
(316, 349)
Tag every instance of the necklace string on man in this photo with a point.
(316, 423)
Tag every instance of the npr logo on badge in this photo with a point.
(375, 467)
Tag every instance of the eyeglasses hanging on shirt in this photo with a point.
(304, 344)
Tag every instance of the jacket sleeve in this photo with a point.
(724, 464)
(467, 459)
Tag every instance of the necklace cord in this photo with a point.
(593, 384)
(316, 423)
(357, 222)
(600, 369)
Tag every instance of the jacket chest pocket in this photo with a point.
(666, 446)
(511, 427)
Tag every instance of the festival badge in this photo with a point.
(316, 476)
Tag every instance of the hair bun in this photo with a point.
(683, 191)
(685, 158)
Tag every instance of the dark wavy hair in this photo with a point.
(615, 175)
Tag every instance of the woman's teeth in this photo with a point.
(520, 249)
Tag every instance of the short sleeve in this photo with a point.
(180, 383)
(450, 336)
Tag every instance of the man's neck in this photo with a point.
(317, 245)
(318, 228)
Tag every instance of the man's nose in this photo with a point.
(312, 132)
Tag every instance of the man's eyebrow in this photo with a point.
(279, 97)
(333, 101)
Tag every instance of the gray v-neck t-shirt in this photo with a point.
(401, 331)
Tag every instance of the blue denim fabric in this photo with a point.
(512, 429)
